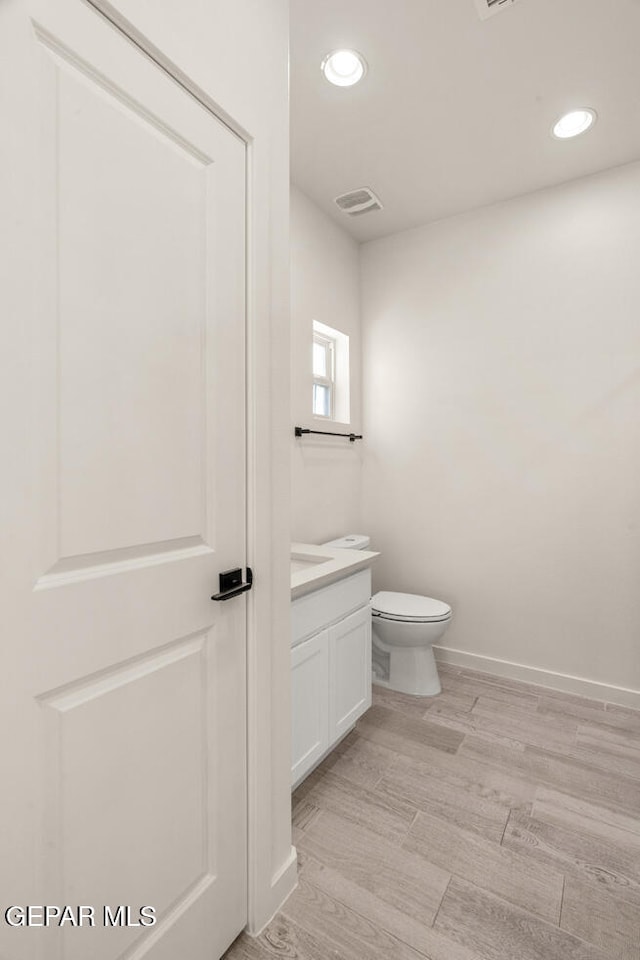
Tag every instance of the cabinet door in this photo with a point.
(349, 671)
(310, 706)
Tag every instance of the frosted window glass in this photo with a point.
(319, 360)
(321, 400)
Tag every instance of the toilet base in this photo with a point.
(412, 670)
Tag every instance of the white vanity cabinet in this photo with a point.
(331, 667)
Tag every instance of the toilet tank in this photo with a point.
(352, 541)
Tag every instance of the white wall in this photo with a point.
(325, 286)
(237, 52)
(502, 399)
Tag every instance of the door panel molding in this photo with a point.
(76, 569)
(66, 57)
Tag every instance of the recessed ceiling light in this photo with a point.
(344, 67)
(574, 123)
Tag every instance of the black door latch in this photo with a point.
(231, 584)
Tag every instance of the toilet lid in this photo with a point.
(409, 606)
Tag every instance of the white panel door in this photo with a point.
(122, 685)
(349, 671)
(309, 703)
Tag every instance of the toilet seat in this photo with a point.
(409, 608)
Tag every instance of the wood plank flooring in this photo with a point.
(496, 821)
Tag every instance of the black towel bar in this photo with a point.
(328, 433)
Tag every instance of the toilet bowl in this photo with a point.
(405, 627)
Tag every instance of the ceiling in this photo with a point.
(455, 112)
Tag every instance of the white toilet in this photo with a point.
(405, 627)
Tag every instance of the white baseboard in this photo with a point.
(621, 696)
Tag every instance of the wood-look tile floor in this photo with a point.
(497, 821)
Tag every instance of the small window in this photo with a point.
(324, 366)
(330, 368)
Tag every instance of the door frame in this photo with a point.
(271, 857)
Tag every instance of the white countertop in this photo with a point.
(313, 566)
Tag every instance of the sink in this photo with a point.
(303, 561)
(315, 566)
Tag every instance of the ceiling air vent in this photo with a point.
(487, 8)
(358, 201)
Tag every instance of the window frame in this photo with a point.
(329, 345)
